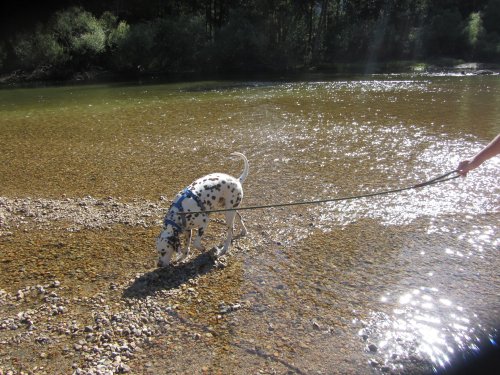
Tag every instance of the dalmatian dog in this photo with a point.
(211, 192)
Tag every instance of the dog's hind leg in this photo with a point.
(242, 224)
(230, 215)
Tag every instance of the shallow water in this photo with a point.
(402, 282)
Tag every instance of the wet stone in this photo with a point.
(374, 362)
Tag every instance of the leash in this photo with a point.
(445, 177)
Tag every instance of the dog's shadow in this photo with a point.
(171, 277)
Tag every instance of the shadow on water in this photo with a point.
(171, 277)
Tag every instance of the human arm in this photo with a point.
(491, 150)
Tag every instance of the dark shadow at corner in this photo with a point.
(170, 277)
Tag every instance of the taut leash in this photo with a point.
(445, 177)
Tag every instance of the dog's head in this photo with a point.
(167, 242)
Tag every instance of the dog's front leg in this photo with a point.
(185, 249)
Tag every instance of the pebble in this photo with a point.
(316, 325)
(122, 368)
(55, 284)
(374, 362)
(88, 329)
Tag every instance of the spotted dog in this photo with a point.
(212, 192)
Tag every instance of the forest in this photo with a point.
(57, 39)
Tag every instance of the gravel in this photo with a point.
(106, 332)
(78, 213)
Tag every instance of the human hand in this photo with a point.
(464, 167)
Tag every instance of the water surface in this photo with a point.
(403, 282)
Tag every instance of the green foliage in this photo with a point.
(178, 42)
(239, 45)
(491, 17)
(38, 49)
(474, 29)
(133, 47)
(80, 34)
(118, 35)
(443, 36)
(256, 35)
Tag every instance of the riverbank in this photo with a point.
(49, 75)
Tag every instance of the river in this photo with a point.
(400, 283)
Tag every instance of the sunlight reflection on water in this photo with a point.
(457, 196)
(427, 322)
(424, 324)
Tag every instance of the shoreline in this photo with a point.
(46, 76)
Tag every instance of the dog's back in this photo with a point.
(220, 190)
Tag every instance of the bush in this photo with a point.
(443, 36)
(80, 34)
(246, 43)
(117, 35)
(482, 42)
(38, 49)
(474, 30)
(178, 42)
(237, 45)
(133, 47)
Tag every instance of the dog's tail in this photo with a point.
(246, 169)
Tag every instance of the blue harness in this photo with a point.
(186, 193)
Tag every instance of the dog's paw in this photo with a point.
(213, 252)
(220, 261)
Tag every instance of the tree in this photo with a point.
(80, 34)
(38, 49)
